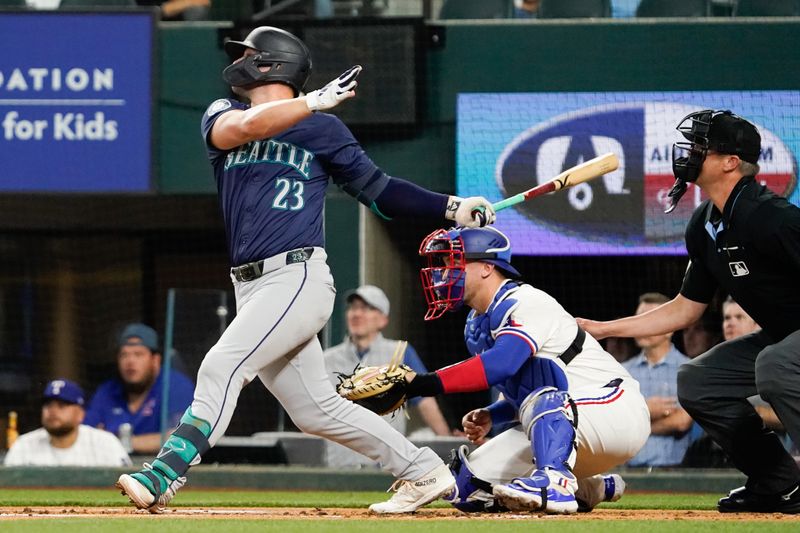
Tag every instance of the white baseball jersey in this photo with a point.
(550, 330)
(613, 419)
(93, 447)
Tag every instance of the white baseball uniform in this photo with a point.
(613, 419)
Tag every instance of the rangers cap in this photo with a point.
(64, 390)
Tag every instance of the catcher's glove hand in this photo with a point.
(381, 389)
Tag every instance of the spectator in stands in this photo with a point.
(367, 315)
(526, 9)
(622, 348)
(136, 395)
(701, 336)
(735, 320)
(180, 9)
(656, 369)
(63, 440)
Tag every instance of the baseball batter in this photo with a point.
(273, 158)
(580, 413)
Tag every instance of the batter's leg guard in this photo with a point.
(549, 417)
(471, 494)
(166, 475)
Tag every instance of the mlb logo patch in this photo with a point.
(738, 269)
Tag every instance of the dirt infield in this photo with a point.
(17, 513)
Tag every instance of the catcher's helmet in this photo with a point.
(720, 131)
(447, 252)
(287, 58)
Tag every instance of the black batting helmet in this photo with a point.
(287, 57)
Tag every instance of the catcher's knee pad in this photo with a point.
(550, 417)
(184, 447)
(471, 494)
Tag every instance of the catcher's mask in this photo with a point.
(287, 58)
(447, 253)
(720, 131)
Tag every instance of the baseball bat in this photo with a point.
(584, 172)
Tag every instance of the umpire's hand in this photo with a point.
(335, 92)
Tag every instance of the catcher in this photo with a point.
(579, 412)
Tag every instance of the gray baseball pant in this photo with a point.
(714, 387)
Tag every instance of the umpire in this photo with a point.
(746, 241)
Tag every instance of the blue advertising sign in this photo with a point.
(75, 101)
(508, 143)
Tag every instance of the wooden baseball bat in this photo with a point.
(584, 172)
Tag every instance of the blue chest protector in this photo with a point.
(534, 373)
(478, 329)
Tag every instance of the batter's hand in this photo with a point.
(477, 424)
(335, 92)
(472, 212)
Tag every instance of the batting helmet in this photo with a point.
(447, 252)
(720, 131)
(281, 58)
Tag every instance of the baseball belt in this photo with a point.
(256, 269)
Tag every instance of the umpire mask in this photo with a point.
(688, 156)
(720, 131)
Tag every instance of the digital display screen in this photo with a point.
(76, 101)
(508, 143)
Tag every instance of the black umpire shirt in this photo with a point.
(751, 250)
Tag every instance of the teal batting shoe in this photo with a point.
(149, 489)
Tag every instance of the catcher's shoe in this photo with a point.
(411, 495)
(597, 489)
(146, 493)
(548, 490)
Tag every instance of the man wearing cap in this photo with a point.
(63, 440)
(745, 240)
(367, 315)
(136, 395)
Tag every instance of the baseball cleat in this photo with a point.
(548, 490)
(743, 500)
(141, 493)
(137, 493)
(411, 495)
(594, 490)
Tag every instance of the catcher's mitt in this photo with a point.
(381, 389)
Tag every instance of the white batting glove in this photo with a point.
(472, 212)
(335, 92)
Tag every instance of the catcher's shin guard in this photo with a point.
(471, 494)
(550, 418)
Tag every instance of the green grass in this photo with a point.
(144, 523)
(254, 498)
(161, 525)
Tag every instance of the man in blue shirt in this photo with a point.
(135, 396)
(656, 370)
